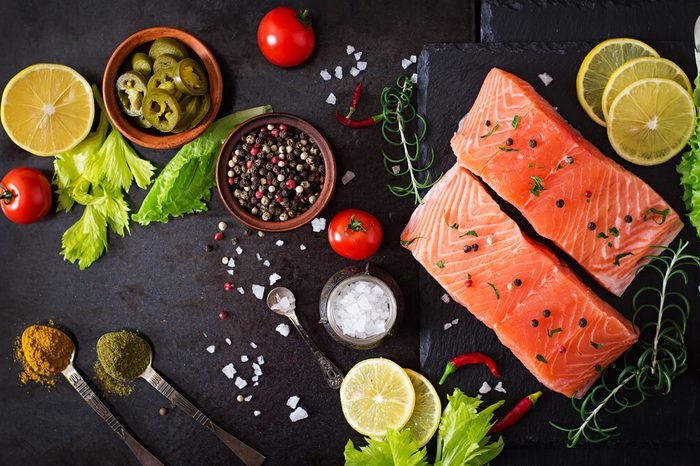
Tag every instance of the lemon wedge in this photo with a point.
(651, 120)
(47, 109)
(599, 65)
(426, 413)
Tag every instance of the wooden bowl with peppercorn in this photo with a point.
(275, 172)
(171, 70)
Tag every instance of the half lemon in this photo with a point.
(427, 411)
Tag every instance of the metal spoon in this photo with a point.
(71, 374)
(333, 375)
(245, 453)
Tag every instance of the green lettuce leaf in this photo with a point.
(86, 240)
(398, 448)
(184, 186)
(461, 438)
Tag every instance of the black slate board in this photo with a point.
(450, 76)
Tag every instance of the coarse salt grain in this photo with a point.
(282, 304)
(318, 224)
(240, 382)
(293, 401)
(255, 378)
(228, 341)
(414, 78)
(361, 309)
(279, 243)
(261, 360)
(256, 384)
(258, 256)
(302, 247)
(485, 388)
(479, 396)
(325, 75)
(445, 298)
(282, 329)
(241, 290)
(455, 321)
(258, 291)
(545, 78)
(266, 263)
(339, 72)
(298, 414)
(239, 250)
(447, 326)
(361, 65)
(330, 99)
(405, 63)
(211, 349)
(248, 398)
(256, 413)
(349, 49)
(354, 71)
(244, 358)
(230, 272)
(499, 387)
(274, 278)
(489, 240)
(231, 262)
(229, 371)
(348, 177)
(358, 55)
(396, 169)
(413, 58)
(253, 345)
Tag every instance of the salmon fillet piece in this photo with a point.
(590, 206)
(558, 351)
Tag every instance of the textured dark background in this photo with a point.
(161, 281)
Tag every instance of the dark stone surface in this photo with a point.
(161, 281)
(662, 431)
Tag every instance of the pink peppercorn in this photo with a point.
(228, 286)
(562, 349)
(223, 315)
(291, 184)
(230, 181)
(275, 159)
(468, 283)
(283, 127)
(218, 236)
(588, 194)
(258, 194)
(275, 132)
(254, 151)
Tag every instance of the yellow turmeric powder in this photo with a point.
(43, 352)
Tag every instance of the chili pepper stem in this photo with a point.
(534, 397)
(5, 194)
(449, 369)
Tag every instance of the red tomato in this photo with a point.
(26, 195)
(285, 36)
(355, 234)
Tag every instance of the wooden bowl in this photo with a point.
(226, 191)
(148, 138)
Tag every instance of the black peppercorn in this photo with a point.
(467, 248)
(488, 122)
(534, 322)
(509, 142)
(628, 219)
(546, 313)
(518, 282)
(532, 143)
(591, 226)
(475, 247)
(582, 323)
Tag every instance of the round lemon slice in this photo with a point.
(641, 68)
(47, 109)
(427, 411)
(651, 120)
(597, 67)
(377, 395)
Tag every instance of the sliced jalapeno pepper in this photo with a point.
(131, 87)
(163, 81)
(161, 110)
(141, 122)
(190, 78)
(164, 62)
(204, 106)
(169, 46)
(142, 63)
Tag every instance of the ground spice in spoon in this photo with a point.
(124, 355)
(43, 352)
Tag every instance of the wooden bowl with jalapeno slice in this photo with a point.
(177, 63)
(226, 191)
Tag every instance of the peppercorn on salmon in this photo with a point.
(592, 208)
(510, 283)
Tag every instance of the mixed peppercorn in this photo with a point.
(276, 172)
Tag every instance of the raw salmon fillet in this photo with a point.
(567, 361)
(592, 230)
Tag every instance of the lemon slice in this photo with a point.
(651, 120)
(597, 67)
(641, 68)
(427, 411)
(47, 109)
(377, 395)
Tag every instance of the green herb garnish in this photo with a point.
(408, 242)
(663, 214)
(550, 333)
(454, 226)
(508, 149)
(598, 368)
(596, 345)
(495, 127)
(538, 185)
(541, 358)
(493, 287)
(529, 165)
(559, 167)
(440, 264)
(620, 256)
(515, 122)
(469, 233)
(602, 235)
(613, 231)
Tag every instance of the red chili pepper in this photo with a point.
(515, 414)
(371, 121)
(355, 100)
(469, 358)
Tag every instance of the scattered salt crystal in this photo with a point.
(414, 78)
(489, 240)
(348, 177)
(354, 71)
(256, 384)
(279, 243)
(241, 290)
(361, 309)
(298, 414)
(361, 65)
(330, 99)
(485, 388)
(282, 329)
(325, 75)
(413, 58)
(229, 371)
(244, 358)
(230, 272)
(240, 383)
(282, 304)
(445, 298)
(258, 291)
(405, 63)
(302, 247)
(293, 401)
(455, 322)
(205, 335)
(248, 398)
(499, 387)
(256, 413)
(478, 396)
(545, 78)
(274, 278)
(266, 263)
(396, 169)
(258, 256)
(255, 378)
(446, 326)
(318, 224)
(349, 49)
(228, 341)
(339, 72)
(257, 372)
(261, 360)
(239, 250)
(358, 55)
(231, 262)
(253, 345)
(211, 349)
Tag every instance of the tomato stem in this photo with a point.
(303, 17)
(5, 194)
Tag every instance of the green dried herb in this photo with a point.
(124, 355)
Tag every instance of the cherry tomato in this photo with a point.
(286, 37)
(355, 234)
(26, 195)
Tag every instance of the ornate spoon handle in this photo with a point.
(247, 454)
(333, 375)
(144, 456)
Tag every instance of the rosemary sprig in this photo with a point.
(399, 112)
(649, 367)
